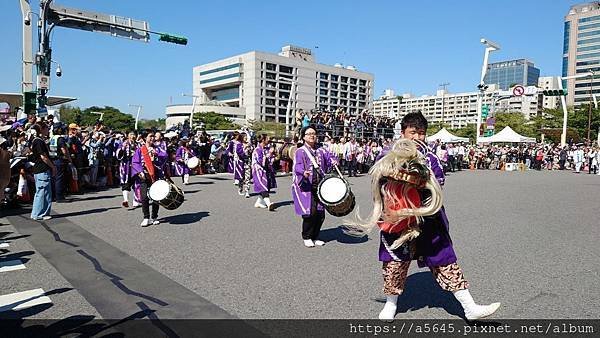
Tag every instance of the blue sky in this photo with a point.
(408, 46)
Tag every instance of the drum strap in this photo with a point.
(148, 162)
(311, 158)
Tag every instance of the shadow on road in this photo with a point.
(17, 256)
(422, 291)
(201, 182)
(282, 204)
(91, 198)
(337, 234)
(84, 212)
(189, 218)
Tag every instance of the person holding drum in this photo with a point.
(310, 166)
(183, 155)
(146, 169)
(262, 172)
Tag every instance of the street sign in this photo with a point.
(518, 90)
(43, 82)
(99, 22)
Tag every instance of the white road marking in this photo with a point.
(23, 300)
(11, 265)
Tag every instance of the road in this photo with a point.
(528, 240)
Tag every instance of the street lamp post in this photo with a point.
(444, 86)
(489, 47)
(193, 107)
(137, 116)
(589, 128)
(563, 101)
(289, 105)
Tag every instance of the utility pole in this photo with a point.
(443, 86)
(589, 128)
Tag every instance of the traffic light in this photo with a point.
(554, 92)
(173, 39)
(29, 102)
(485, 109)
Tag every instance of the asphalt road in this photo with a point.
(528, 240)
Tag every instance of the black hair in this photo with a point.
(414, 120)
(261, 137)
(304, 129)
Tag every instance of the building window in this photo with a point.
(334, 93)
(285, 69)
(344, 79)
(271, 66)
(285, 86)
(270, 93)
(362, 82)
(210, 71)
(271, 76)
(271, 84)
(353, 81)
(324, 76)
(323, 92)
(219, 78)
(323, 84)
(334, 77)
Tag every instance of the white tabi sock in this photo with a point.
(186, 178)
(267, 201)
(260, 203)
(474, 311)
(389, 309)
(125, 195)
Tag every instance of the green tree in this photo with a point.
(158, 124)
(468, 131)
(213, 121)
(517, 122)
(69, 114)
(578, 120)
(273, 129)
(113, 118)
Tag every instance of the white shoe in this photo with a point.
(247, 194)
(319, 243)
(145, 222)
(258, 204)
(45, 218)
(155, 222)
(388, 313)
(135, 204)
(236, 182)
(309, 243)
(474, 311)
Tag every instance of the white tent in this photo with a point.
(507, 135)
(445, 136)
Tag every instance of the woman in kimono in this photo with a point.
(184, 153)
(310, 166)
(263, 174)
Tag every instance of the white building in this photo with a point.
(456, 109)
(258, 86)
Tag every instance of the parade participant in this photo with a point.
(145, 170)
(125, 155)
(239, 157)
(159, 142)
(184, 153)
(432, 246)
(310, 166)
(230, 158)
(263, 173)
(59, 154)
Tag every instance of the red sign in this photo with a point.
(518, 91)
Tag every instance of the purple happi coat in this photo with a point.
(434, 245)
(239, 156)
(302, 186)
(181, 157)
(137, 162)
(124, 155)
(230, 156)
(263, 174)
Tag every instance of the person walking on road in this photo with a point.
(43, 171)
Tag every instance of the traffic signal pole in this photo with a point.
(563, 101)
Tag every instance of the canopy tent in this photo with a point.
(445, 136)
(507, 135)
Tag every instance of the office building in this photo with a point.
(581, 51)
(266, 87)
(507, 74)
